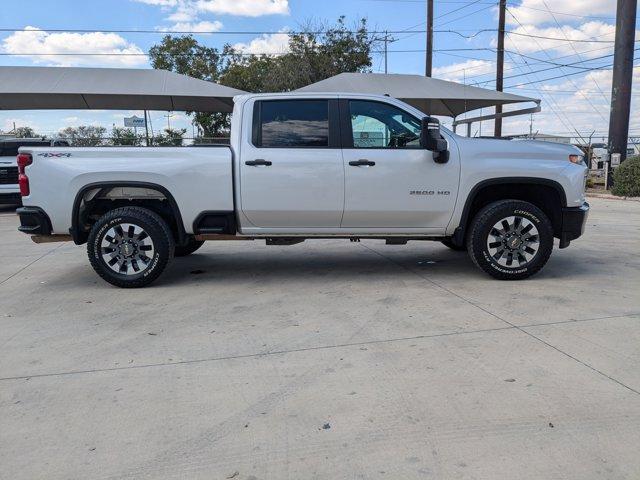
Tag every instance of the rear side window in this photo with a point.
(291, 123)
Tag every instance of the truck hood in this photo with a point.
(496, 148)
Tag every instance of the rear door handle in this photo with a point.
(362, 163)
(259, 161)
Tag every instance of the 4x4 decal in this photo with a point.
(57, 155)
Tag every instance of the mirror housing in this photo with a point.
(431, 139)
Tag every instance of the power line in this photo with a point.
(567, 75)
(271, 32)
(543, 37)
(566, 14)
(573, 47)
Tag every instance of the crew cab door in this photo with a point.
(291, 170)
(391, 182)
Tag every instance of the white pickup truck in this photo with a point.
(304, 166)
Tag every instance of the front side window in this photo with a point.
(380, 125)
(294, 123)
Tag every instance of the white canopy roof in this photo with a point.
(430, 95)
(33, 88)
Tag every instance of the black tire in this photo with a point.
(184, 250)
(458, 248)
(156, 235)
(500, 251)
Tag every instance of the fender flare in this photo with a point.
(459, 233)
(79, 237)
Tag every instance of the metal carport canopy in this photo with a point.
(35, 88)
(430, 95)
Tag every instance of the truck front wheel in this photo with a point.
(129, 247)
(510, 239)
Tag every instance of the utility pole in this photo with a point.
(386, 41)
(429, 59)
(500, 67)
(622, 79)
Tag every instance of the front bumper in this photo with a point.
(34, 221)
(574, 220)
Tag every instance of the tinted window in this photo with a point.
(10, 147)
(294, 123)
(380, 125)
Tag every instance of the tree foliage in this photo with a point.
(125, 137)
(84, 135)
(172, 137)
(314, 53)
(312, 56)
(184, 55)
(626, 178)
(25, 132)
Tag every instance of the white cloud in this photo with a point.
(269, 44)
(245, 8)
(202, 26)
(535, 12)
(182, 15)
(110, 49)
(159, 3)
(461, 71)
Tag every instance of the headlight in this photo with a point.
(577, 159)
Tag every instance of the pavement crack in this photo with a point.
(31, 263)
(258, 355)
(512, 325)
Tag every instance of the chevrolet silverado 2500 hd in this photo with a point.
(303, 166)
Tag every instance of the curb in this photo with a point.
(608, 196)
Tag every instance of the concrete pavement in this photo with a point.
(326, 359)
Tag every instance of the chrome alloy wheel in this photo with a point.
(513, 239)
(127, 249)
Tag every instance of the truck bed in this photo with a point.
(198, 178)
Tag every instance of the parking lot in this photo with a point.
(327, 359)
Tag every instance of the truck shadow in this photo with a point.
(374, 264)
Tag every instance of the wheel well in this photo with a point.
(548, 197)
(95, 200)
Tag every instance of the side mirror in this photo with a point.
(431, 139)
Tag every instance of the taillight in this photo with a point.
(24, 159)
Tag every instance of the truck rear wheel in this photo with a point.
(510, 239)
(130, 247)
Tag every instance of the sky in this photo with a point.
(559, 52)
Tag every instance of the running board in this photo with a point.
(51, 238)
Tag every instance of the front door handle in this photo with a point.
(259, 161)
(361, 163)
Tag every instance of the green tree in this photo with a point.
(84, 135)
(125, 137)
(186, 56)
(172, 137)
(25, 132)
(315, 53)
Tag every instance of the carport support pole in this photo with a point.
(429, 59)
(146, 127)
(500, 67)
(621, 85)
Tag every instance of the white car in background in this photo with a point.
(9, 187)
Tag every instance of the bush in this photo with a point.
(626, 178)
